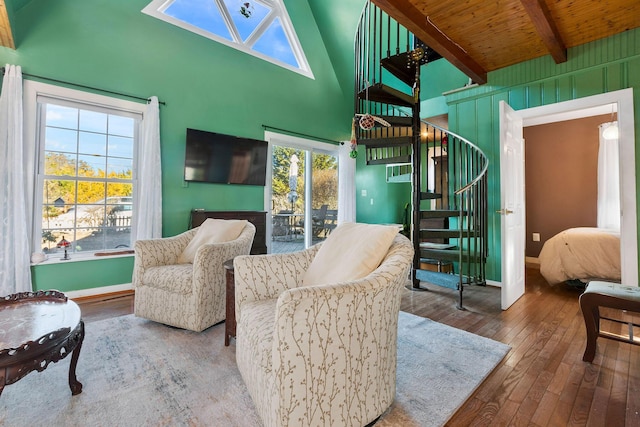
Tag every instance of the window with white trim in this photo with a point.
(86, 163)
(261, 28)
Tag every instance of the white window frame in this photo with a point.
(34, 90)
(156, 9)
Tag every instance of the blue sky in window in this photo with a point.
(274, 43)
(120, 147)
(64, 117)
(64, 140)
(122, 126)
(93, 121)
(203, 14)
(92, 143)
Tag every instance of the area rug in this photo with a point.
(140, 373)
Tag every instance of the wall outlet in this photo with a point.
(372, 201)
(536, 237)
(364, 193)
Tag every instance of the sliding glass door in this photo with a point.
(303, 195)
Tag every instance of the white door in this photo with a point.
(512, 207)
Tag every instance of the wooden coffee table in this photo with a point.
(37, 328)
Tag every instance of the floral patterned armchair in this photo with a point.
(185, 295)
(319, 355)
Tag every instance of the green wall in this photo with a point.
(598, 67)
(111, 45)
(388, 199)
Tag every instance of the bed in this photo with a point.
(581, 254)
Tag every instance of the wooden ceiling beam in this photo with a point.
(6, 36)
(408, 15)
(546, 28)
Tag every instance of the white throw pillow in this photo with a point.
(212, 231)
(351, 252)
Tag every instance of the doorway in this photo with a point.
(584, 107)
(301, 198)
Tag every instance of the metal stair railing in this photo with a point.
(388, 58)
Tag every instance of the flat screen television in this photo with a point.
(218, 158)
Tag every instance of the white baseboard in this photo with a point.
(99, 291)
(494, 283)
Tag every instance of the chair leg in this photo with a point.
(591, 314)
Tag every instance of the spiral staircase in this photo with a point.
(448, 172)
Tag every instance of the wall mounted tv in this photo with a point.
(214, 157)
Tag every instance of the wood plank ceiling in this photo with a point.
(6, 36)
(479, 36)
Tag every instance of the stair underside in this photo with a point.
(400, 65)
(440, 214)
(379, 92)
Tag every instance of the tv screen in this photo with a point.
(226, 159)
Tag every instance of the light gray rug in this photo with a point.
(140, 373)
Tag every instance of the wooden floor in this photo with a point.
(542, 381)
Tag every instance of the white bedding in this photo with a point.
(582, 253)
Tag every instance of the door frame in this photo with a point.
(274, 138)
(622, 100)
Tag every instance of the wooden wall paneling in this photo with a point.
(589, 82)
(566, 86)
(614, 77)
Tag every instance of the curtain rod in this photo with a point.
(86, 87)
(293, 133)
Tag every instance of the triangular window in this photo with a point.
(261, 28)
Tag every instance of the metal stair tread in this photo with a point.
(446, 280)
(427, 195)
(448, 254)
(390, 160)
(431, 245)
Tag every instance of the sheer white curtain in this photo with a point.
(16, 188)
(148, 224)
(346, 185)
(608, 181)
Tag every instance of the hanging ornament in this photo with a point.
(354, 142)
(245, 10)
(368, 121)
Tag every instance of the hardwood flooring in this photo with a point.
(542, 381)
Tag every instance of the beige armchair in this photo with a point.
(187, 295)
(319, 355)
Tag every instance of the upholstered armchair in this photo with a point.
(180, 281)
(321, 354)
